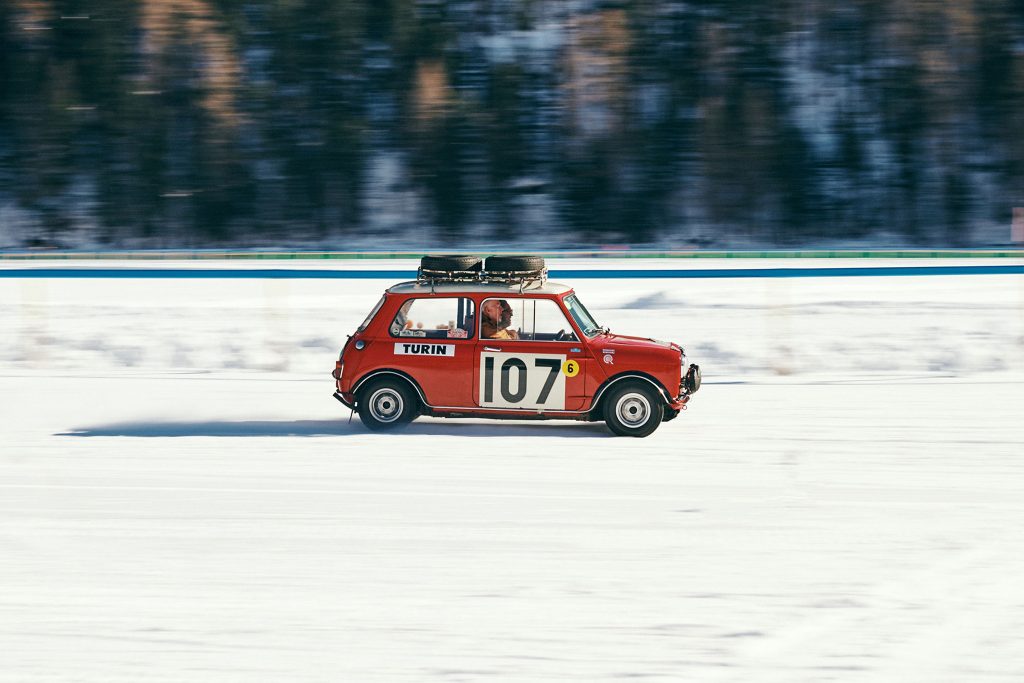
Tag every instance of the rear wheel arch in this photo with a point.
(370, 376)
(387, 402)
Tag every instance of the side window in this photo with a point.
(549, 322)
(524, 319)
(435, 318)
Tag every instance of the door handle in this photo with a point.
(491, 348)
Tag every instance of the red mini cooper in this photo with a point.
(496, 339)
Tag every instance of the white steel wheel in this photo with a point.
(633, 409)
(386, 403)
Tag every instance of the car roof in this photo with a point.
(533, 287)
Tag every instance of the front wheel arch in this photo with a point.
(633, 409)
(596, 411)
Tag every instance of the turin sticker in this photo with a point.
(414, 349)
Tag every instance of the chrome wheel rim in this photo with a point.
(633, 409)
(385, 405)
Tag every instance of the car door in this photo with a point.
(531, 360)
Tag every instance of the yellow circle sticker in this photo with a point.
(570, 368)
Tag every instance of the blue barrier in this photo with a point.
(604, 273)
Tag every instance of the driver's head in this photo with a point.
(498, 312)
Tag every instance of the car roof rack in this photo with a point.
(522, 278)
(471, 269)
(515, 277)
(430, 275)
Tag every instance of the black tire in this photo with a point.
(633, 408)
(451, 262)
(517, 264)
(387, 403)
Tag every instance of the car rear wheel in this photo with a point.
(387, 403)
(633, 409)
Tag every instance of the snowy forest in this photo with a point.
(407, 123)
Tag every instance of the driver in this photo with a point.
(495, 320)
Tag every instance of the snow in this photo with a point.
(182, 499)
(848, 326)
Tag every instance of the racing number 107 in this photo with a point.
(518, 365)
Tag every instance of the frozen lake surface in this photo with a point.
(182, 499)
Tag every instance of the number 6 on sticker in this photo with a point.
(570, 368)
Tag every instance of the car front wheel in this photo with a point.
(386, 403)
(633, 409)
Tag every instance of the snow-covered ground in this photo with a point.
(182, 499)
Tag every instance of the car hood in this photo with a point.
(625, 341)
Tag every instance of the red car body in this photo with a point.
(533, 377)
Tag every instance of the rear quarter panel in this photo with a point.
(444, 378)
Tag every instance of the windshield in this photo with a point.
(372, 314)
(582, 316)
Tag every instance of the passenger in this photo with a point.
(495, 321)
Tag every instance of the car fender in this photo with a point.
(627, 375)
(388, 371)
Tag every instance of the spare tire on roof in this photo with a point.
(451, 262)
(517, 264)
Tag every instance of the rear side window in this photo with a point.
(435, 318)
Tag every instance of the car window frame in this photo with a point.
(556, 301)
(435, 297)
(568, 310)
